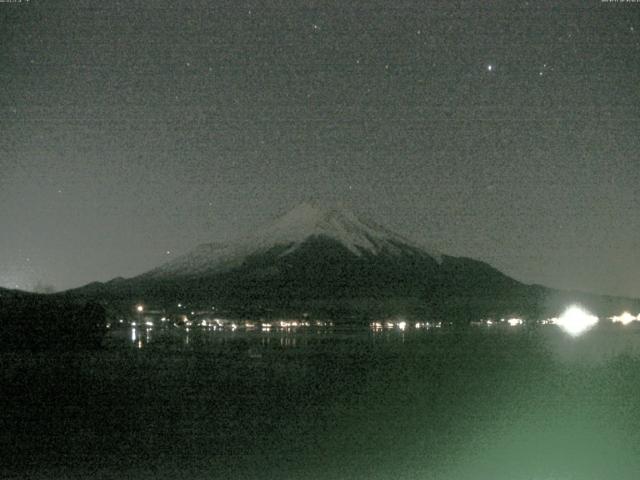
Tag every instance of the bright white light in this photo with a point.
(625, 319)
(514, 322)
(140, 308)
(576, 321)
(402, 325)
(148, 324)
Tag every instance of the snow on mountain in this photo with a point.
(291, 230)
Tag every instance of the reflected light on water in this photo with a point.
(575, 321)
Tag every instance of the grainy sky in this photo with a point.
(504, 131)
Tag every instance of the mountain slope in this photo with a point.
(289, 233)
(330, 260)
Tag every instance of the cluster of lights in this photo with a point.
(575, 321)
(402, 325)
(292, 324)
(625, 319)
(514, 322)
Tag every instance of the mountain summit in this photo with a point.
(309, 221)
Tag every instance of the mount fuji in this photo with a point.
(290, 234)
(329, 261)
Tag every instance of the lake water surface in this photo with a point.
(328, 403)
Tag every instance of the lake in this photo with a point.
(328, 403)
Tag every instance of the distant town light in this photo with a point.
(402, 325)
(625, 319)
(514, 322)
(575, 321)
(140, 309)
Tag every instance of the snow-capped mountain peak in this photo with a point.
(308, 220)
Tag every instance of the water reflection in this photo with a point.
(574, 336)
(283, 334)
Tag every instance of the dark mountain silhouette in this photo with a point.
(329, 261)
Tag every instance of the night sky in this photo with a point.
(504, 131)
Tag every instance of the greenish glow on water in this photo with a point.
(490, 403)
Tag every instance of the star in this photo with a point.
(316, 27)
(490, 68)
